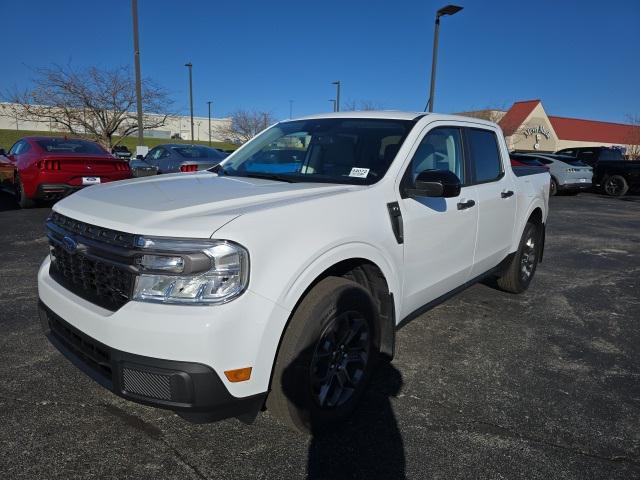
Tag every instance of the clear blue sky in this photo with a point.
(582, 58)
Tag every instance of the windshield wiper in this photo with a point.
(272, 176)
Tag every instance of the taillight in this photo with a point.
(122, 166)
(188, 168)
(49, 165)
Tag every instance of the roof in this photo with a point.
(591, 130)
(397, 115)
(516, 115)
(383, 114)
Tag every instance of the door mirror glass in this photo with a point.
(436, 183)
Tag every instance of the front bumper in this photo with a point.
(193, 390)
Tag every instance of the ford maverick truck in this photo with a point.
(277, 279)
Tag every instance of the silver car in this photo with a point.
(173, 158)
(567, 173)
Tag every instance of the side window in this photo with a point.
(440, 149)
(154, 155)
(485, 155)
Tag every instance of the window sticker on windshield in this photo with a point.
(359, 172)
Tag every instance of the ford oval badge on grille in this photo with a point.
(70, 244)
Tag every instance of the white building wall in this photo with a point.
(173, 125)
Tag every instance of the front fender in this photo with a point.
(315, 266)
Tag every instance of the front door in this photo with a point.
(439, 233)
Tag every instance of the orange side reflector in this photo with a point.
(239, 375)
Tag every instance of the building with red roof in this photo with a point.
(528, 127)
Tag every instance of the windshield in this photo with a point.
(332, 150)
(192, 151)
(69, 145)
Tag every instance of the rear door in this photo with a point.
(439, 234)
(495, 192)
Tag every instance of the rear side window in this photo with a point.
(610, 155)
(485, 156)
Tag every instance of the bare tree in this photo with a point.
(361, 105)
(633, 142)
(244, 125)
(92, 103)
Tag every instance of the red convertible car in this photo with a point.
(48, 168)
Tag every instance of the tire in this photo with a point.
(21, 197)
(553, 188)
(518, 275)
(615, 186)
(318, 379)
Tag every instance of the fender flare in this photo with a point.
(316, 266)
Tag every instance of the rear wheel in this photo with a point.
(518, 275)
(21, 197)
(615, 186)
(553, 188)
(326, 357)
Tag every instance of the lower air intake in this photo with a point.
(146, 384)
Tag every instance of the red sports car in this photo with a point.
(48, 168)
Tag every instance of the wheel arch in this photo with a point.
(363, 264)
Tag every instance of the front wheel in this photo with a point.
(615, 186)
(519, 273)
(553, 188)
(326, 357)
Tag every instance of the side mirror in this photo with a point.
(436, 183)
(3, 152)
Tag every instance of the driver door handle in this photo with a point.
(465, 205)
(506, 193)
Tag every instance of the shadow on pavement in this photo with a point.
(7, 202)
(369, 445)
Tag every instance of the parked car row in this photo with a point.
(49, 168)
(575, 169)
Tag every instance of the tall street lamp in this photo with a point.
(209, 103)
(290, 109)
(448, 10)
(136, 60)
(190, 66)
(337, 104)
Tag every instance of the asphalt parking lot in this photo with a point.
(487, 385)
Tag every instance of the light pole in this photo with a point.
(333, 100)
(337, 104)
(190, 66)
(209, 103)
(448, 10)
(290, 108)
(136, 60)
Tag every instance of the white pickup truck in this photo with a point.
(279, 278)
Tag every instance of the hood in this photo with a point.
(185, 204)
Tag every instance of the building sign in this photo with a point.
(535, 131)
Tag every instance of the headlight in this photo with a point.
(190, 271)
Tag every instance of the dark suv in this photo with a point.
(611, 172)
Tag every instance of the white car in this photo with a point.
(278, 279)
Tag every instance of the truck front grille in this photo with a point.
(101, 271)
